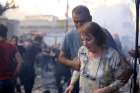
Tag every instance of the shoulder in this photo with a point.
(114, 58)
(9, 45)
(70, 36)
(111, 53)
(72, 32)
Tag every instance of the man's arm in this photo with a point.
(75, 64)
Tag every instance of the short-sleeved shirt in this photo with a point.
(7, 65)
(70, 48)
(71, 44)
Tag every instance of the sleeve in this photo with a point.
(75, 77)
(76, 74)
(121, 71)
(65, 45)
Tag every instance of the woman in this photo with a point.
(102, 69)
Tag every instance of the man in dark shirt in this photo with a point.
(28, 71)
(8, 69)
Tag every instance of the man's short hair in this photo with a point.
(81, 9)
(3, 31)
(38, 38)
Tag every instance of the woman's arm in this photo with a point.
(122, 74)
(75, 77)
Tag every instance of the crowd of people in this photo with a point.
(90, 61)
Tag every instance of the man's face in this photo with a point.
(80, 19)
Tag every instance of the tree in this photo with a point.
(8, 5)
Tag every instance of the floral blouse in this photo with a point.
(107, 70)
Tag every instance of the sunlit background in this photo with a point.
(118, 16)
(49, 19)
(57, 7)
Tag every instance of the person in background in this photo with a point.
(15, 41)
(47, 63)
(31, 51)
(9, 69)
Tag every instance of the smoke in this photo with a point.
(118, 19)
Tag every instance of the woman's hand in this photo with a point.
(69, 89)
(99, 91)
(103, 90)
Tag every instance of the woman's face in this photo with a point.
(89, 41)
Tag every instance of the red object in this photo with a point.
(7, 65)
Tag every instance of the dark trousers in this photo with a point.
(27, 77)
(7, 86)
(28, 84)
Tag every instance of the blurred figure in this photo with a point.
(9, 68)
(132, 54)
(19, 44)
(32, 49)
(15, 41)
(47, 62)
(61, 75)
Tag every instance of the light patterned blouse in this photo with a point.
(107, 70)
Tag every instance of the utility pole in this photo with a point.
(67, 16)
(135, 88)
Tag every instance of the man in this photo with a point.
(72, 42)
(28, 70)
(9, 68)
(47, 63)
